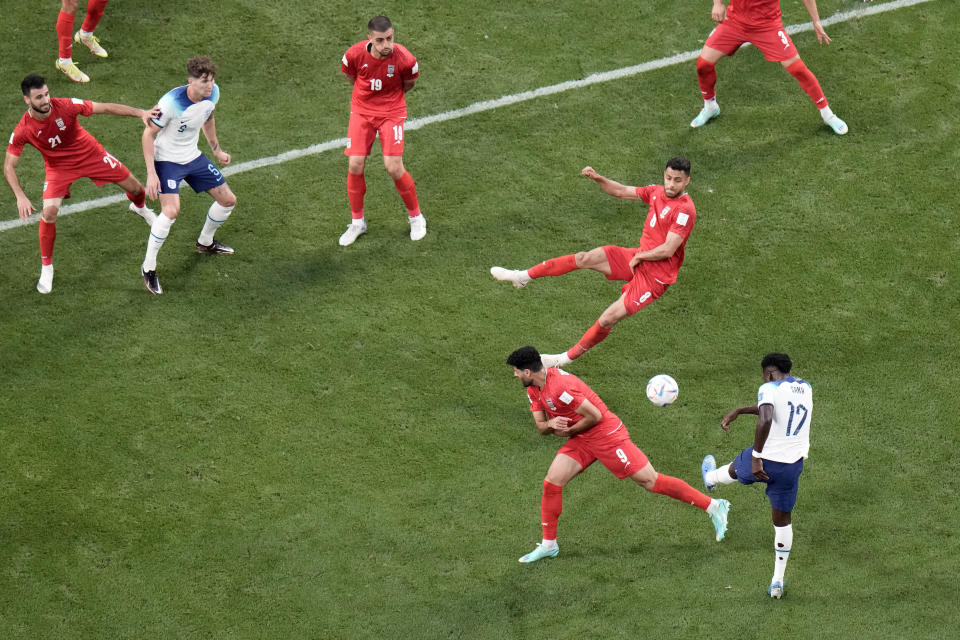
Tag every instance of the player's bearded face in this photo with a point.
(525, 379)
(39, 100)
(674, 182)
(381, 43)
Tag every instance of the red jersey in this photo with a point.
(756, 13)
(64, 143)
(562, 395)
(663, 216)
(378, 88)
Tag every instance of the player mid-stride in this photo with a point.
(780, 444)
(565, 407)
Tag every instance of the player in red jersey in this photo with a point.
(66, 37)
(381, 72)
(69, 153)
(648, 270)
(759, 22)
(563, 405)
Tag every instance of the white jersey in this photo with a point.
(180, 122)
(789, 437)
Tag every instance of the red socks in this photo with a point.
(408, 191)
(138, 201)
(808, 82)
(65, 34)
(356, 188)
(554, 267)
(551, 505)
(94, 13)
(48, 233)
(680, 490)
(594, 336)
(707, 77)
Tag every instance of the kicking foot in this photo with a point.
(73, 72)
(540, 552)
(709, 464)
(355, 230)
(418, 227)
(92, 42)
(719, 517)
(555, 360)
(147, 214)
(515, 276)
(151, 281)
(706, 114)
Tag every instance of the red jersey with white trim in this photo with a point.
(756, 13)
(378, 88)
(59, 137)
(562, 395)
(663, 216)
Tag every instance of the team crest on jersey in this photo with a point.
(665, 211)
(60, 124)
(550, 404)
(390, 69)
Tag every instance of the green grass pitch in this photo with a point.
(307, 441)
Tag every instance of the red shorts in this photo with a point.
(641, 288)
(363, 130)
(773, 41)
(616, 452)
(101, 167)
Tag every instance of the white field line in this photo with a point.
(485, 105)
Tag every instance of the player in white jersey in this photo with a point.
(172, 155)
(780, 445)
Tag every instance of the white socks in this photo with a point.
(158, 233)
(782, 543)
(826, 113)
(720, 475)
(548, 545)
(711, 104)
(217, 214)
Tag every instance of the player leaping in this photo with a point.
(648, 271)
(69, 153)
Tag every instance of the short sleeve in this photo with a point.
(644, 193)
(15, 146)
(765, 394)
(346, 65)
(81, 107)
(683, 223)
(535, 403)
(166, 111)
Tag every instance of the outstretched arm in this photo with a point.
(24, 206)
(210, 132)
(730, 417)
(822, 36)
(611, 187)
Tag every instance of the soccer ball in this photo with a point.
(662, 390)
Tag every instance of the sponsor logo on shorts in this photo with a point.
(643, 298)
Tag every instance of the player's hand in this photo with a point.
(222, 156)
(153, 186)
(822, 36)
(590, 173)
(635, 261)
(756, 466)
(719, 13)
(25, 207)
(727, 419)
(147, 115)
(559, 425)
